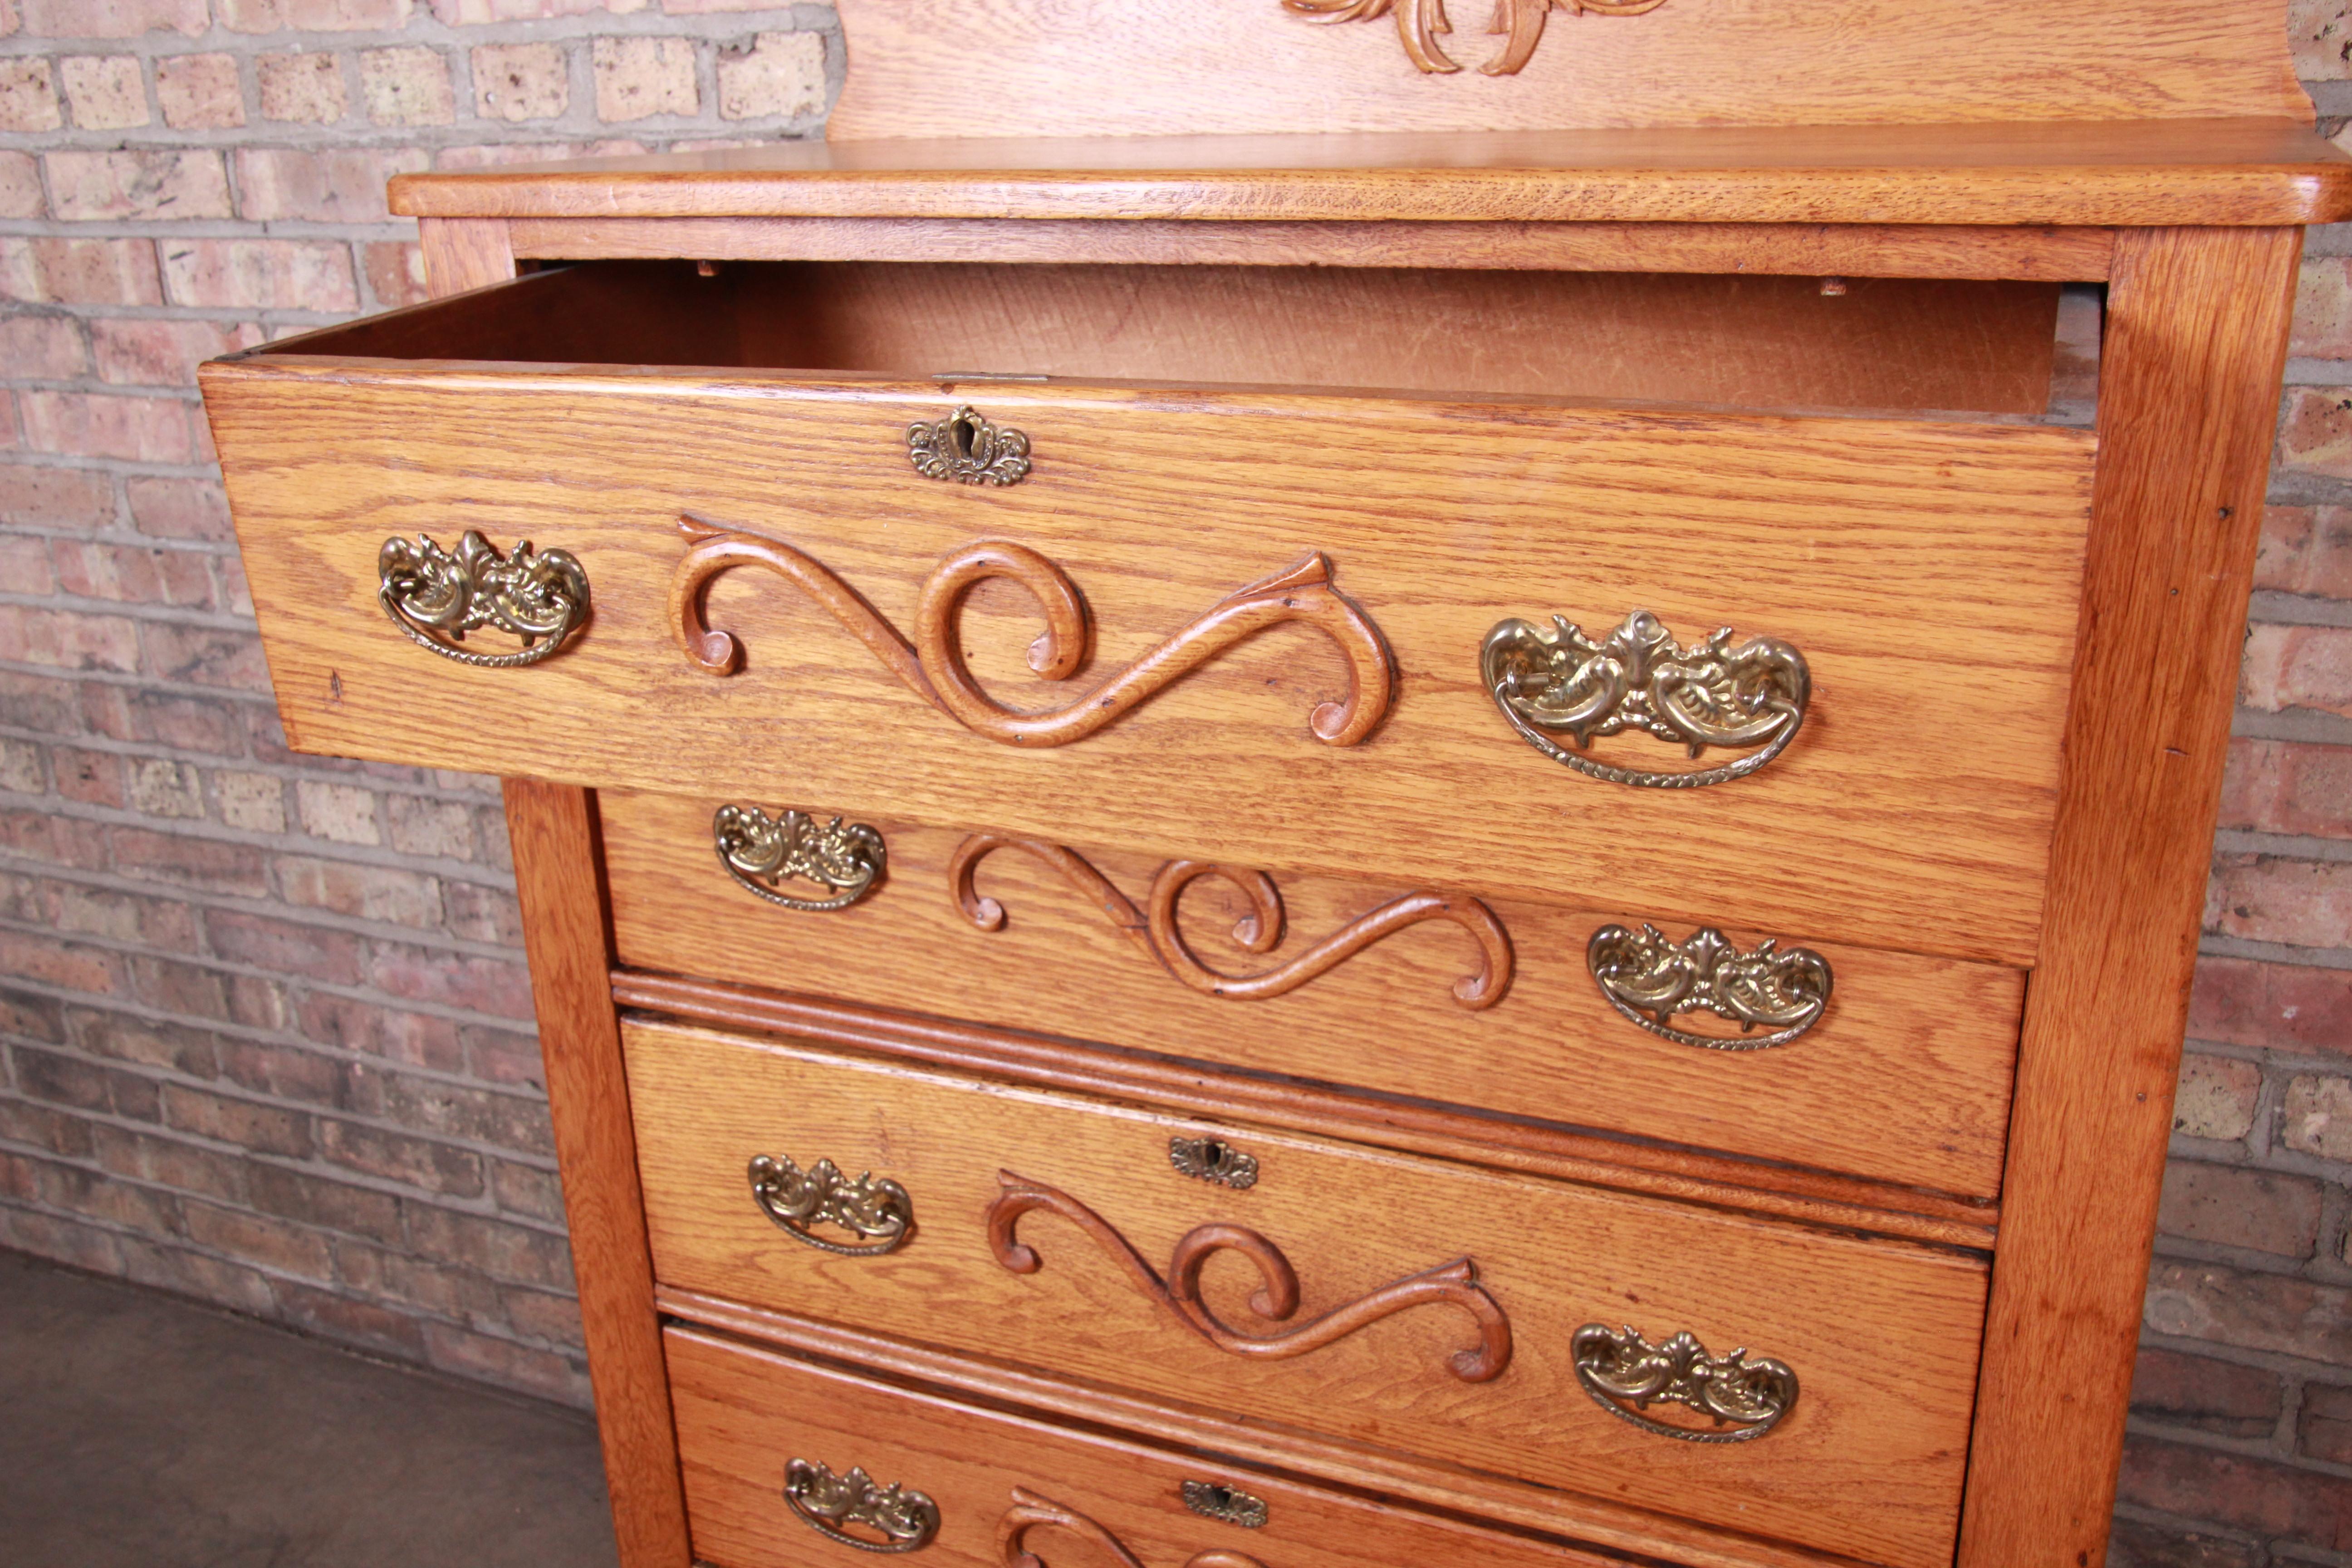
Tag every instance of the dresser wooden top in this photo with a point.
(2123, 174)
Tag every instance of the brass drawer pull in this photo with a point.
(760, 851)
(1546, 683)
(933, 666)
(1260, 932)
(1211, 1501)
(437, 597)
(1213, 1160)
(1650, 979)
(1030, 1511)
(1618, 1367)
(965, 447)
(1452, 1284)
(874, 1207)
(828, 1503)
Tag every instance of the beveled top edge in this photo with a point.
(2134, 173)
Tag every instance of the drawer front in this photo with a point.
(999, 1484)
(1904, 1076)
(1925, 571)
(1440, 1311)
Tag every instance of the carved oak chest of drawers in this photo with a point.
(1282, 807)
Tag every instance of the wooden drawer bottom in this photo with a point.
(1000, 1484)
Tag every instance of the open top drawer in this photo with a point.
(1272, 613)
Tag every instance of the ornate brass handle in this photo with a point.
(437, 597)
(933, 666)
(1618, 1367)
(966, 447)
(1212, 1500)
(1561, 681)
(1030, 1512)
(873, 1207)
(829, 1504)
(1453, 1284)
(760, 851)
(1650, 979)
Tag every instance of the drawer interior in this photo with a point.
(2019, 350)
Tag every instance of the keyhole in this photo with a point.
(1214, 1155)
(965, 434)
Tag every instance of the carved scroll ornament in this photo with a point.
(1259, 932)
(1618, 1367)
(1031, 1512)
(1452, 1284)
(1638, 678)
(1419, 23)
(1649, 979)
(933, 666)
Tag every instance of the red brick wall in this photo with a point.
(265, 1032)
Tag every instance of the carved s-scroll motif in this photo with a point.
(1276, 1300)
(933, 666)
(1031, 1512)
(1419, 23)
(1259, 932)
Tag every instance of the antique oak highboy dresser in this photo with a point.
(1299, 785)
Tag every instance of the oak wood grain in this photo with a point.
(1904, 1079)
(552, 828)
(2196, 350)
(465, 253)
(1868, 1462)
(743, 1411)
(1501, 1142)
(2250, 171)
(2037, 253)
(1926, 569)
(1046, 65)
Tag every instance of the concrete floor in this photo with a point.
(139, 1431)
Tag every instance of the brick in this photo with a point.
(166, 718)
(44, 702)
(345, 813)
(638, 78)
(2320, 33)
(22, 768)
(396, 272)
(20, 186)
(131, 575)
(541, 1315)
(315, 16)
(62, 1240)
(199, 92)
(87, 1192)
(268, 274)
(134, 428)
(305, 88)
(335, 1205)
(779, 75)
(501, 987)
(254, 802)
(42, 348)
(137, 184)
(497, 154)
(261, 1128)
(376, 1327)
(2316, 1115)
(177, 857)
(362, 892)
(407, 87)
(169, 1162)
(2250, 1310)
(2242, 1002)
(2288, 786)
(480, 12)
(2315, 435)
(105, 92)
(261, 1240)
(68, 966)
(185, 1272)
(2305, 550)
(334, 185)
(504, 1057)
(161, 787)
(2211, 1395)
(146, 353)
(419, 1162)
(84, 1086)
(528, 1191)
(498, 1248)
(284, 947)
(2262, 898)
(29, 95)
(165, 923)
(2216, 1097)
(65, 640)
(113, 18)
(515, 82)
(439, 828)
(50, 271)
(204, 655)
(2297, 667)
(412, 1040)
(56, 498)
(483, 914)
(179, 509)
(285, 1072)
(25, 567)
(45, 835)
(453, 1110)
(2256, 1495)
(486, 1358)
